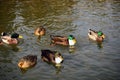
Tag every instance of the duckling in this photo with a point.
(40, 31)
(10, 39)
(62, 40)
(96, 35)
(51, 56)
(27, 61)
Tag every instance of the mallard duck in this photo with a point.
(51, 56)
(62, 40)
(40, 31)
(27, 61)
(10, 39)
(96, 35)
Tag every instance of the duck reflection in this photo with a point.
(58, 69)
(71, 50)
(99, 45)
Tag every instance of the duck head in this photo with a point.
(40, 31)
(20, 64)
(71, 40)
(100, 34)
(58, 58)
(16, 35)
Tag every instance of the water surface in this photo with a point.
(62, 17)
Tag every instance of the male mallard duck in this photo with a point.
(62, 40)
(10, 39)
(96, 35)
(40, 31)
(51, 56)
(27, 61)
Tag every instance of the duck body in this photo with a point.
(96, 35)
(62, 40)
(40, 31)
(27, 61)
(51, 56)
(10, 39)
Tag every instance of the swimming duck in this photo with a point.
(51, 56)
(96, 35)
(10, 39)
(27, 61)
(62, 40)
(40, 31)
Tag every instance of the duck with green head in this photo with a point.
(10, 39)
(51, 57)
(96, 35)
(62, 40)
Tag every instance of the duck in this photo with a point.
(10, 39)
(51, 56)
(96, 35)
(27, 61)
(62, 40)
(40, 31)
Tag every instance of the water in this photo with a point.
(62, 17)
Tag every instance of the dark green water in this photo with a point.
(62, 17)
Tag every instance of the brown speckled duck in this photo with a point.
(51, 56)
(96, 35)
(40, 31)
(27, 61)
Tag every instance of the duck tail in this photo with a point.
(4, 34)
(45, 52)
(90, 30)
(51, 36)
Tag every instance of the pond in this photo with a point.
(88, 61)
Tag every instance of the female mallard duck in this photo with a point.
(51, 56)
(10, 39)
(96, 35)
(27, 61)
(40, 31)
(71, 41)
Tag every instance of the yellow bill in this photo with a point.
(103, 36)
(20, 36)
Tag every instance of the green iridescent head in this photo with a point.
(56, 54)
(70, 37)
(16, 35)
(100, 33)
